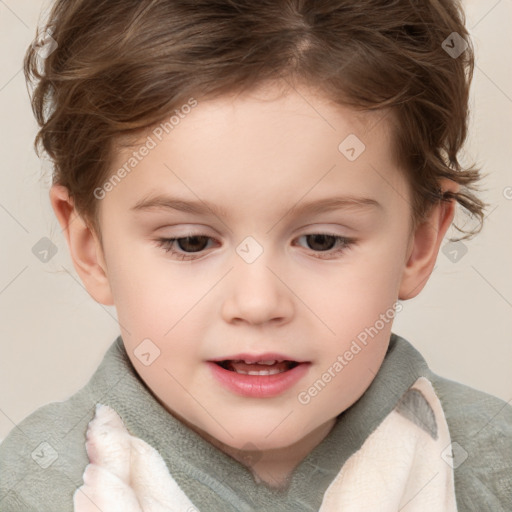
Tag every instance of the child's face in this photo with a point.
(260, 160)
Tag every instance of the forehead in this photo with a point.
(260, 110)
(293, 143)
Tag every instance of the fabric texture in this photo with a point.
(124, 472)
(398, 467)
(43, 459)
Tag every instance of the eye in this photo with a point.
(190, 244)
(327, 243)
(189, 247)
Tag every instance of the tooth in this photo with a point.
(272, 371)
(267, 362)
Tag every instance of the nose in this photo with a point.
(257, 293)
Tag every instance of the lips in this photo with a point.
(269, 367)
(258, 375)
(258, 358)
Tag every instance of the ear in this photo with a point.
(425, 242)
(84, 246)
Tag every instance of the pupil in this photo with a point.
(186, 241)
(322, 239)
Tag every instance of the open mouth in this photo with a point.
(260, 368)
(258, 376)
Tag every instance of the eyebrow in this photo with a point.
(164, 202)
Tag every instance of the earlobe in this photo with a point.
(425, 244)
(84, 246)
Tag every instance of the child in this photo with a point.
(312, 147)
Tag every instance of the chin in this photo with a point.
(248, 439)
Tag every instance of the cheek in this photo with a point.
(359, 292)
(157, 302)
(146, 299)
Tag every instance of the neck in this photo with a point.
(275, 466)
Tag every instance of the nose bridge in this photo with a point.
(252, 272)
(255, 293)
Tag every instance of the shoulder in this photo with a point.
(43, 458)
(481, 445)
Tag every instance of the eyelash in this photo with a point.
(168, 243)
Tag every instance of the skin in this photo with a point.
(258, 155)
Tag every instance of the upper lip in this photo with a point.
(254, 358)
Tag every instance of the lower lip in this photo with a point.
(258, 386)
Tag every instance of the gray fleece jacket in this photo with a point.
(42, 460)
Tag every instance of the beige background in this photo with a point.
(53, 335)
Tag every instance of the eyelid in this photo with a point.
(346, 244)
(163, 242)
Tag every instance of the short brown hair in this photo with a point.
(122, 65)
